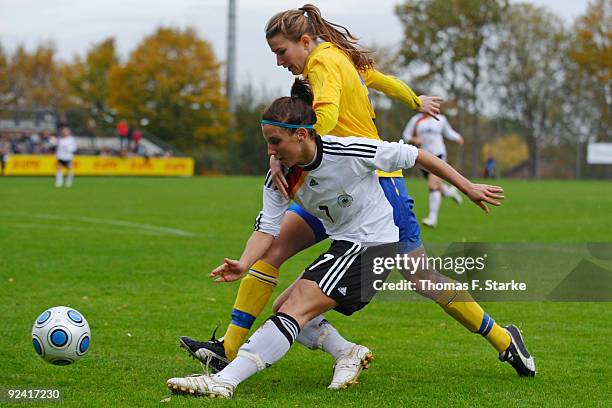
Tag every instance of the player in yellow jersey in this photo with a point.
(339, 74)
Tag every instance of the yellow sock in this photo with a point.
(255, 290)
(463, 308)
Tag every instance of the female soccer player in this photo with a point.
(429, 135)
(357, 217)
(339, 74)
(66, 146)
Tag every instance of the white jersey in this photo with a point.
(341, 188)
(431, 132)
(66, 146)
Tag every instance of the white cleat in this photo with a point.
(201, 385)
(430, 222)
(348, 367)
(456, 197)
(453, 193)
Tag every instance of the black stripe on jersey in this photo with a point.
(258, 221)
(353, 143)
(364, 155)
(268, 180)
(348, 150)
(356, 149)
(352, 146)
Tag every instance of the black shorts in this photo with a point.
(346, 273)
(65, 163)
(425, 173)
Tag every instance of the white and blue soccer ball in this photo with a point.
(61, 335)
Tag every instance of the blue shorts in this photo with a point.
(403, 216)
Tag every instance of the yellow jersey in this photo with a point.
(341, 100)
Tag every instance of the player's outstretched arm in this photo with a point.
(480, 194)
(231, 269)
(399, 90)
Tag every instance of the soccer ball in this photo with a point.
(60, 335)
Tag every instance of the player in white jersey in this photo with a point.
(66, 146)
(429, 135)
(336, 179)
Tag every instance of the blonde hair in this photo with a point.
(293, 24)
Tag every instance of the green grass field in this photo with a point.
(133, 256)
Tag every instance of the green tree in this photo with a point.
(448, 44)
(4, 84)
(530, 72)
(89, 83)
(251, 146)
(591, 52)
(36, 80)
(171, 85)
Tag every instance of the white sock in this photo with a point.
(435, 198)
(320, 334)
(69, 179)
(59, 178)
(266, 346)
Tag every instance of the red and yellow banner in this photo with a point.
(44, 165)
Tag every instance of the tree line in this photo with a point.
(520, 84)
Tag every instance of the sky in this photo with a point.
(75, 25)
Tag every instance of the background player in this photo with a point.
(429, 134)
(66, 146)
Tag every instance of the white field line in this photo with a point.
(103, 221)
(81, 229)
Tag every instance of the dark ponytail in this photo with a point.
(301, 90)
(295, 109)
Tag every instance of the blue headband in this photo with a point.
(285, 125)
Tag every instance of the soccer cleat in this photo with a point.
(430, 222)
(201, 385)
(453, 193)
(210, 354)
(349, 366)
(456, 197)
(517, 355)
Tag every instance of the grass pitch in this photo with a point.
(133, 256)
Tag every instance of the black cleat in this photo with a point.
(210, 354)
(517, 355)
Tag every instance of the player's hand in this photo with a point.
(485, 193)
(460, 141)
(230, 270)
(431, 105)
(278, 178)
